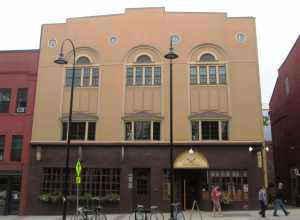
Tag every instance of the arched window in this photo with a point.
(143, 59)
(86, 74)
(207, 57)
(83, 60)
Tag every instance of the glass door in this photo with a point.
(3, 194)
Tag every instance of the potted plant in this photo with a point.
(44, 197)
(112, 198)
(55, 197)
(226, 201)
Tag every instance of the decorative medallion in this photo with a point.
(113, 40)
(241, 37)
(175, 39)
(52, 43)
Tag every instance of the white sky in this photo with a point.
(277, 23)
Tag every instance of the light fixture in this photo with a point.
(250, 149)
(267, 148)
(191, 151)
(38, 153)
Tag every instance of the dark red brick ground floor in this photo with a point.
(139, 174)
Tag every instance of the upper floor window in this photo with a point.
(4, 100)
(142, 130)
(80, 130)
(21, 100)
(85, 75)
(209, 130)
(144, 72)
(16, 147)
(207, 71)
(2, 138)
(83, 60)
(207, 57)
(286, 86)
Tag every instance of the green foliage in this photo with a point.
(110, 198)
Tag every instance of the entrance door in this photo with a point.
(141, 189)
(191, 184)
(10, 187)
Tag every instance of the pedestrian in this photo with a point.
(262, 197)
(278, 203)
(216, 197)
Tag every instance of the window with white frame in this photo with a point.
(207, 71)
(209, 130)
(83, 130)
(143, 72)
(142, 130)
(85, 74)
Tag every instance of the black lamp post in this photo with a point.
(171, 55)
(61, 60)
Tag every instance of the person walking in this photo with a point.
(262, 197)
(215, 197)
(278, 203)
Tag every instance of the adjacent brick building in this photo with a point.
(285, 120)
(18, 73)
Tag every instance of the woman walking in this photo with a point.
(262, 196)
(215, 197)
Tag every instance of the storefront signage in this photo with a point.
(193, 160)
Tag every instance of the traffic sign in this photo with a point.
(78, 168)
(78, 180)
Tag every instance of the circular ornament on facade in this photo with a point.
(113, 40)
(175, 39)
(241, 37)
(52, 43)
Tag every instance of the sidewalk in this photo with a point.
(230, 215)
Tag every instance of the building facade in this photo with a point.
(121, 109)
(18, 71)
(284, 108)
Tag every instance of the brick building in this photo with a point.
(18, 73)
(284, 109)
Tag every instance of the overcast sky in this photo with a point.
(277, 23)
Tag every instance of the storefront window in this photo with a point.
(166, 184)
(233, 183)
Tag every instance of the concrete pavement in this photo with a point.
(228, 215)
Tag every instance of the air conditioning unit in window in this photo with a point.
(21, 109)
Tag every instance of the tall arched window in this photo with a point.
(208, 70)
(86, 74)
(143, 72)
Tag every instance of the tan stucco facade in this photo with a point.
(147, 31)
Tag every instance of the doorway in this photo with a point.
(189, 186)
(141, 187)
(10, 188)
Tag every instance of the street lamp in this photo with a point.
(61, 60)
(171, 55)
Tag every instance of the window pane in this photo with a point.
(83, 60)
(156, 130)
(207, 57)
(148, 75)
(222, 74)
(157, 75)
(2, 147)
(138, 75)
(95, 77)
(195, 130)
(129, 76)
(128, 131)
(64, 130)
(142, 130)
(212, 75)
(21, 100)
(92, 131)
(193, 74)
(203, 74)
(4, 100)
(77, 131)
(143, 59)
(210, 130)
(86, 76)
(224, 130)
(16, 149)
(77, 77)
(68, 80)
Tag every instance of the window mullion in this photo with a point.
(143, 75)
(81, 76)
(217, 74)
(220, 130)
(86, 131)
(91, 77)
(132, 130)
(152, 75)
(200, 130)
(151, 130)
(133, 73)
(207, 74)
